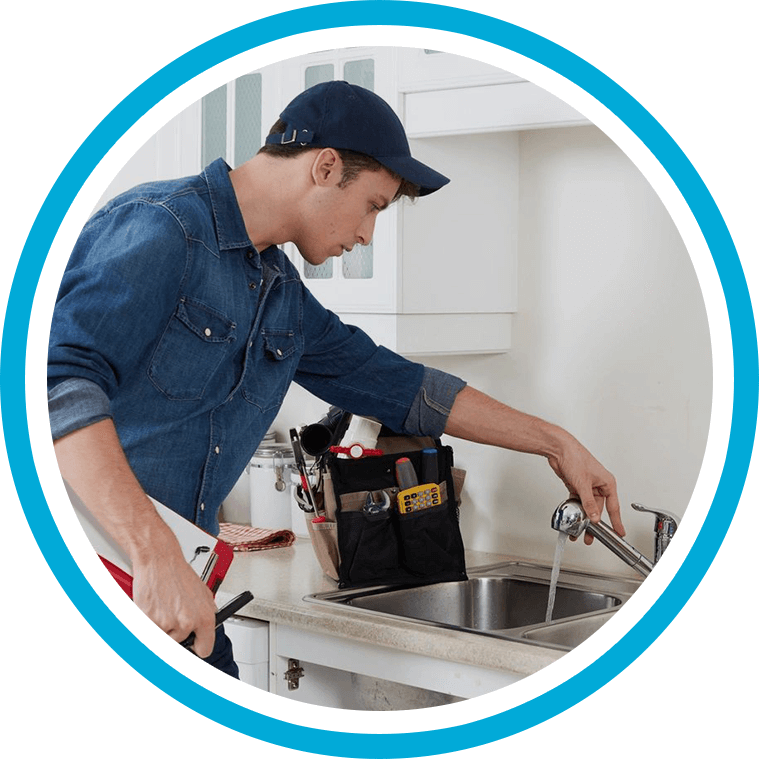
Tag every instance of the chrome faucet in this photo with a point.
(665, 526)
(570, 519)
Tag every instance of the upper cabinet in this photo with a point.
(440, 274)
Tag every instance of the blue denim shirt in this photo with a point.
(169, 321)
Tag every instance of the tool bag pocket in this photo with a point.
(389, 547)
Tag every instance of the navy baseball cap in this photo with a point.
(348, 117)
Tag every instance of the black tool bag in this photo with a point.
(359, 548)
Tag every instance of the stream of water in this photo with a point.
(557, 556)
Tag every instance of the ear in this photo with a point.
(327, 168)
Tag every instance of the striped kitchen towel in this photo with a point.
(244, 538)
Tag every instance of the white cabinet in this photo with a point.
(441, 271)
(318, 668)
(440, 274)
(423, 70)
(331, 671)
(486, 108)
(250, 644)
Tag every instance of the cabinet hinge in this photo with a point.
(293, 674)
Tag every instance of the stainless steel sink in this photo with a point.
(506, 600)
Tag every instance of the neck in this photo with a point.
(264, 190)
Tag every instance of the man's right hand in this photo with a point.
(170, 593)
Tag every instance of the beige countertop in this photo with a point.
(280, 578)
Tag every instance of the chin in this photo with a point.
(317, 260)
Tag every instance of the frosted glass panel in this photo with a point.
(214, 126)
(359, 262)
(319, 74)
(323, 271)
(247, 117)
(360, 73)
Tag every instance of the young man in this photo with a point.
(180, 325)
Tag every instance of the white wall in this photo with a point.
(610, 341)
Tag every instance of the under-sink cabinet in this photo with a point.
(325, 670)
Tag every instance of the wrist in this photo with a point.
(555, 441)
(152, 540)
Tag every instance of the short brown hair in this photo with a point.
(353, 163)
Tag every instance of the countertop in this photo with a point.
(280, 578)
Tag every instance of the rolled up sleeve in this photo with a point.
(76, 403)
(432, 404)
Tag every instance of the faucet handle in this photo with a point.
(661, 516)
(664, 529)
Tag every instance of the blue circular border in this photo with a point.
(409, 14)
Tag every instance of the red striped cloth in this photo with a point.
(243, 538)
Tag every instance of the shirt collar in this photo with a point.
(230, 226)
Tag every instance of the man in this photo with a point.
(180, 325)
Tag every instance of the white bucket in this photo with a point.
(270, 487)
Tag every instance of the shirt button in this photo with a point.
(207, 332)
(202, 507)
(252, 285)
(217, 449)
(279, 352)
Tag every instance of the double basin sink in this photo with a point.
(507, 600)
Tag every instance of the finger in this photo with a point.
(612, 508)
(205, 638)
(589, 505)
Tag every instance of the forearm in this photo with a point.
(477, 417)
(480, 418)
(165, 586)
(92, 461)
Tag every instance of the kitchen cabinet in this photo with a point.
(317, 668)
(250, 643)
(440, 275)
(356, 674)
(486, 108)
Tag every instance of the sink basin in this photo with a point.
(507, 600)
(568, 633)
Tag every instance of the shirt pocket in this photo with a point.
(193, 345)
(271, 365)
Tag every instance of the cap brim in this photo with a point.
(416, 172)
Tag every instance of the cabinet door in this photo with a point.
(232, 120)
(362, 280)
(250, 644)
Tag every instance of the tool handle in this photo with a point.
(429, 465)
(224, 613)
(405, 474)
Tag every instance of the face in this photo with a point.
(335, 218)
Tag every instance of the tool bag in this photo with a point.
(359, 548)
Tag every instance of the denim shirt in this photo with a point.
(171, 322)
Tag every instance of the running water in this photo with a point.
(555, 573)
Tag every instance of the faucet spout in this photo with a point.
(570, 518)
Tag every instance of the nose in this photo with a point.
(365, 231)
